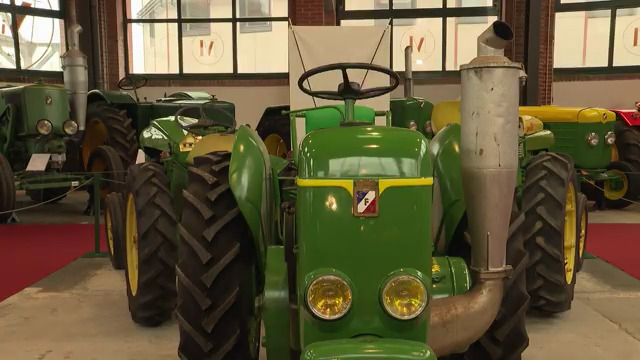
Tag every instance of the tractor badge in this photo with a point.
(365, 198)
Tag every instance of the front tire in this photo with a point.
(114, 227)
(628, 143)
(618, 193)
(216, 269)
(7, 190)
(151, 250)
(583, 222)
(549, 201)
(106, 160)
(48, 195)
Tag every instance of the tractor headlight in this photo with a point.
(428, 127)
(70, 127)
(413, 125)
(44, 127)
(610, 138)
(404, 297)
(329, 297)
(593, 139)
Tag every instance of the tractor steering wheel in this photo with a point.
(132, 82)
(203, 121)
(349, 90)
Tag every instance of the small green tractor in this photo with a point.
(367, 242)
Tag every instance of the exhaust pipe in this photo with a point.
(75, 71)
(489, 163)
(408, 72)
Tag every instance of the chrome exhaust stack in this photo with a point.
(408, 72)
(489, 164)
(75, 71)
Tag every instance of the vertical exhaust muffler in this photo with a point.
(75, 71)
(489, 164)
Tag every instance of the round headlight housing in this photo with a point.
(70, 127)
(329, 297)
(44, 127)
(593, 139)
(404, 297)
(413, 125)
(610, 138)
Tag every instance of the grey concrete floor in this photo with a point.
(80, 312)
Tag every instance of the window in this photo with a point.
(443, 37)
(597, 35)
(34, 30)
(207, 38)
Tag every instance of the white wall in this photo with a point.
(609, 94)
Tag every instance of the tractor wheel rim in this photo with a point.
(583, 232)
(107, 221)
(570, 226)
(132, 245)
(94, 136)
(615, 156)
(616, 189)
(275, 145)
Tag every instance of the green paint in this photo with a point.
(252, 186)
(571, 139)
(404, 111)
(450, 277)
(368, 347)
(328, 236)
(276, 305)
(364, 152)
(444, 150)
(542, 140)
(115, 97)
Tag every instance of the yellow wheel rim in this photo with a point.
(570, 226)
(107, 221)
(276, 145)
(132, 245)
(614, 153)
(94, 136)
(583, 232)
(618, 192)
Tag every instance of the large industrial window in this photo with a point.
(596, 36)
(443, 33)
(31, 36)
(211, 38)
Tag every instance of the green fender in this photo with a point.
(250, 179)
(110, 97)
(542, 140)
(444, 150)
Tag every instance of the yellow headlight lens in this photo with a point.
(329, 297)
(404, 297)
(44, 127)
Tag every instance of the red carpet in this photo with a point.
(617, 244)
(29, 253)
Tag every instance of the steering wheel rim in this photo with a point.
(346, 91)
(203, 116)
(133, 82)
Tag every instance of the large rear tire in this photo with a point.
(507, 337)
(151, 251)
(215, 269)
(114, 228)
(7, 190)
(549, 201)
(628, 143)
(109, 125)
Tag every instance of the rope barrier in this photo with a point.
(48, 201)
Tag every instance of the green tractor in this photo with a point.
(371, 242)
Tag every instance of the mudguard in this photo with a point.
(250, 178)
(444, 150)
(630, 117)
(110, 97)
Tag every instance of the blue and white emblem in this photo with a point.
(365, 198)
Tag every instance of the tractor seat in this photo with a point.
(445, 113)
(331, 117)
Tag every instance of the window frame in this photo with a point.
(234, 20)
(444, 13)
(15, 10)
(599, 5)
